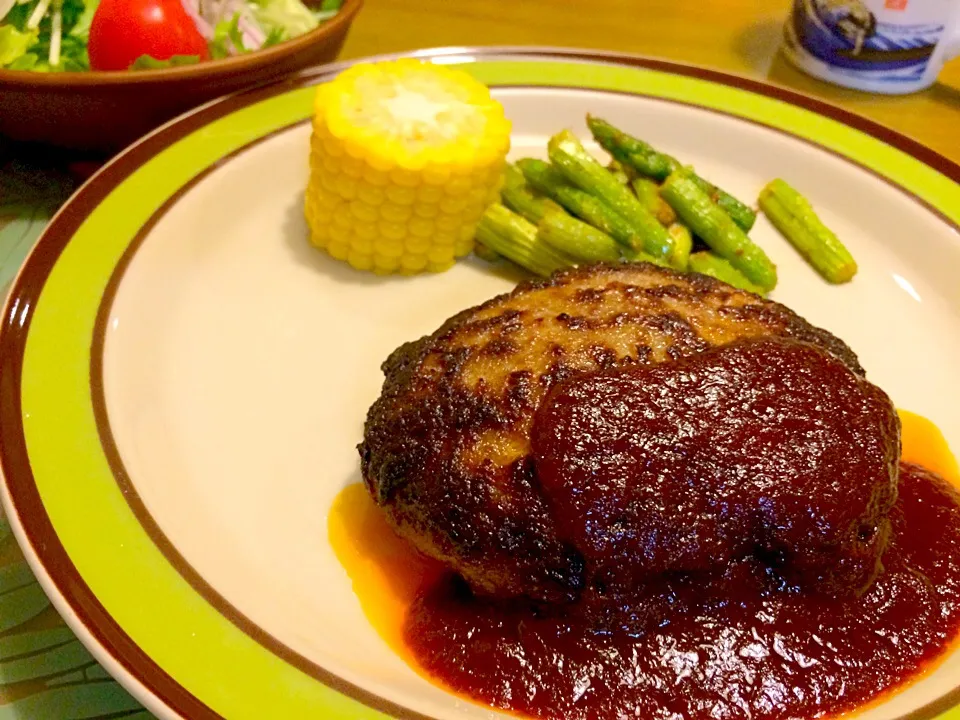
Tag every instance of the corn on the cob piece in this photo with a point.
(405, 157)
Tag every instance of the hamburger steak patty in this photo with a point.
(447, 446)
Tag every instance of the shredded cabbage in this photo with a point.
(258, 22)
(289, 17)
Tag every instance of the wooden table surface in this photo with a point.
(739, 36)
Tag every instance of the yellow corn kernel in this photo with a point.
(463, 248)
(359, 260)
(339, 235)
(363, 212)
(370, 195)
(429, 195)
(421, 228)
(400, 195)
(383, 264)
(338, 250)
(366, 231)
(393, 231)
(439, 255)
(362, 245)
(404, 158)
(395, 213)
(409, 261)
(388, 248)
(426, 210)
(440, 266)
(376, 178)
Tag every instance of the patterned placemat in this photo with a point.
(45, 672)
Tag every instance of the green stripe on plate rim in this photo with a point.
(161, 612)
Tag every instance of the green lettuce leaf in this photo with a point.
(291, 17)
(73, 54)
(274, 37)
(14, 44)
(227, 38)
(18, 16)
(24, 62)
(72, 11)
(76, 16)
(81, 28)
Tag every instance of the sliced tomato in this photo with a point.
(123, 30)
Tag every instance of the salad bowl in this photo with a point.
(104, 111)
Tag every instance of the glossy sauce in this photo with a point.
(725, 647)
(767, 448)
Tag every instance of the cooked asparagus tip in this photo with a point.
(718, 230)
(519, 197)
(707, 263)
(648, 192)
(577, 239)
(581, 169)
(642, 157)
(683, 245)
(794, 217)
(547, 179)
(508, 234)
(631, 151)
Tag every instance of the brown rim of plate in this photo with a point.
(209, 69)
(146, 678)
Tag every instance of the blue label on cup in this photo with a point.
(847, 35)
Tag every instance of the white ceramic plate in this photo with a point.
(184, 379)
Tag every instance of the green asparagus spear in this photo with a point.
(648, 192)
(581, 169)
(742, 215)
(508, 234)
(683, 244)
(512, 176)
(485, 253)
(717, 229)
(707, 263)
(639, 155)
(519, 197)
(793, 216)
(547, 179)
(577, 239)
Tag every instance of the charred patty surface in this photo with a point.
(447, 450)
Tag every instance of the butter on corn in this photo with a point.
(405, 157)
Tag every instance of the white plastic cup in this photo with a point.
(881, 46)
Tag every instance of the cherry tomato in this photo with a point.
(123, 30)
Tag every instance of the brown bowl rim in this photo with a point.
(206, 70)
